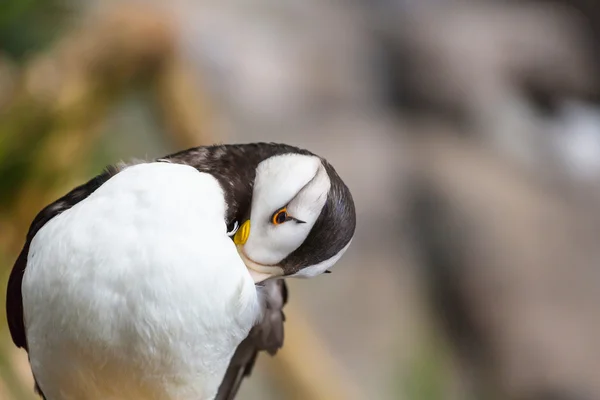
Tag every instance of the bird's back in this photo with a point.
(137, 292)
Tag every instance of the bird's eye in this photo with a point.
(280, 217)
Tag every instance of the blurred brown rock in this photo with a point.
(513, 268)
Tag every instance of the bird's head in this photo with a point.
(301, 219)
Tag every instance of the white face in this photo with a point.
(300, 184)
(295, 185)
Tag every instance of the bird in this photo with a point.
(164, 279)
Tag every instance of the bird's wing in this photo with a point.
(266, 336)
(14, 300)
(14, 297)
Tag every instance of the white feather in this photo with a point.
(297, 181)
(317, 269)
(137, 292)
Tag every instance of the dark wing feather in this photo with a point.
(266, 336)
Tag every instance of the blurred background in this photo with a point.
(468, 131)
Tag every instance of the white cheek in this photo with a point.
(269, 244)
(279, 179)
(296, 181)
(318, 269)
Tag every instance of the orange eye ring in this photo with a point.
(280, 217)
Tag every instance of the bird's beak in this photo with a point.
(241, 236)
(258, 271)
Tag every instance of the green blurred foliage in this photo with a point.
(428, 375)
(28, 26)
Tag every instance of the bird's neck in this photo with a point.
(234, 166)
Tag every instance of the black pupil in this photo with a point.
(281, 216)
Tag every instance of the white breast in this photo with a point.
(137, 292)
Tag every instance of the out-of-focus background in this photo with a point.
(468, 131)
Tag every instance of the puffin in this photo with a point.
(165, 279)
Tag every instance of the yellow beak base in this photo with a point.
(241, 236)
